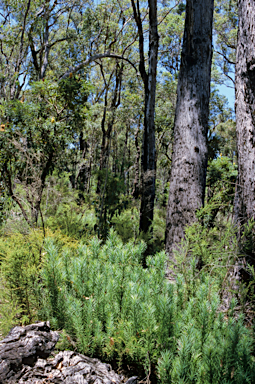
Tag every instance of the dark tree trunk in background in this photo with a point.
(81, 179)
(106, 138)
(149, 79)
(245, 113)
(189, 160)
(136, 185)
(122, 168)
(148, 153)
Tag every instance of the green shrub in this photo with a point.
(73, 221)
(126, 224)
(212, 251)
(220, 190)
(21, 257)
(115, 309)
(19, 274)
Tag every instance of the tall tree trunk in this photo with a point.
(245, 113)
(149, 80)
(136, 185)
(106, 138)
(122, 168)
(149, 152)
(189, 160)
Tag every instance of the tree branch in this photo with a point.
(9, 183)
(93, 58)
(137, 17)
(225, 57)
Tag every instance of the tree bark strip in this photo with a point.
(189, 161)
(245, 113)
(149, 80)
(149, 152)
(136, 184)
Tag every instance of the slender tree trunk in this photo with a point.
(81, 178)
(245, 113)
(122, 168)
(128, 173)
(44, 174)
(149, 80)
(106, 138)
(148, 154)
(189, 160)
(136, 185)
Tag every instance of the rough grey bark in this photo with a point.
(245, 113)
(68, 367)
(23, 346)
(24, 358)
(189, 160)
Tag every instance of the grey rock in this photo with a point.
(25, 358)
(23, 346)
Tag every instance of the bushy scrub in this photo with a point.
(211, 251)
(220, 190)
(114, 308)
(21, 257)
(126, 224)
(19, 274)
(73, 221)
(63, 210)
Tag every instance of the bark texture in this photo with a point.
(148, 158)
(245, 113)
(23, 346)
(24, 358)
(148, 153)
(189, 160)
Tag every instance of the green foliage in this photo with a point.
(247, 241)
(62, 210)
(114, 308)
(5, 206)
(19, 275)
(21, 257)
(65, 342)
(126, 224)
(105, 303)
(159, 228)
(220, 189)
(221, 134)
(111, 200)
(225, 28)
(207, 251)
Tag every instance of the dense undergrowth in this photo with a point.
(111, 307)
(198, 328)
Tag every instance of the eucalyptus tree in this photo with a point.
(225, 39)
(149, 81)
(245, 113)
(29, 32)
(171, 32)
(13, 47)
(189, 159)
(34, 136)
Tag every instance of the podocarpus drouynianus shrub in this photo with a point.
(114, 308)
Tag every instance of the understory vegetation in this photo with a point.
(109, 300)
(107, 304)
(90, 147)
